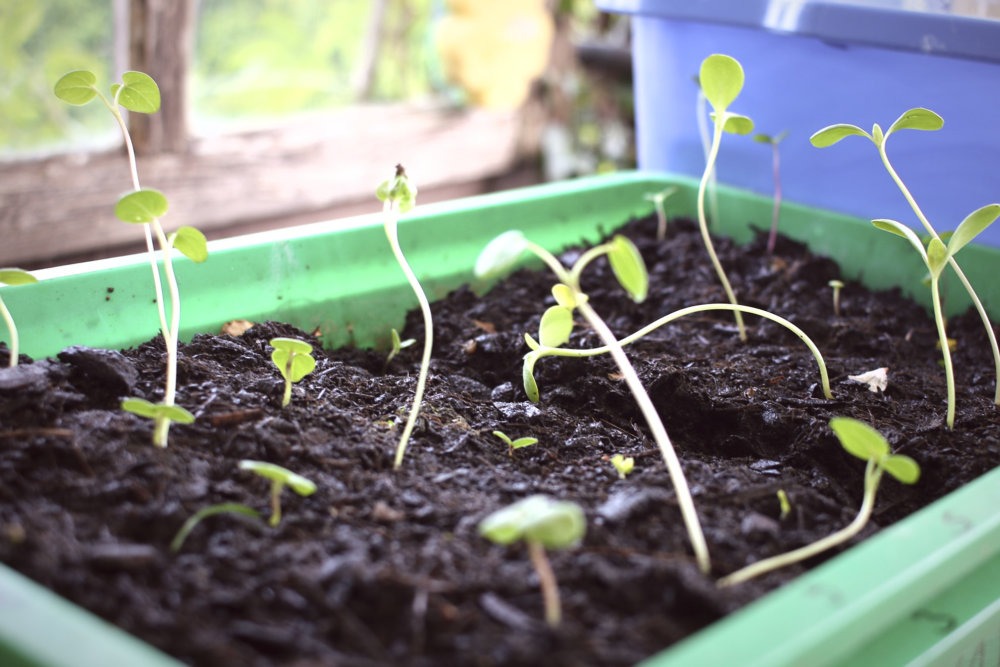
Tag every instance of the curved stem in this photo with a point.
(690, 310)
(703, 223)
(14, 340)
(659, 432)
(949, 373)
(547, 582)
(390, 219)
(872, 476)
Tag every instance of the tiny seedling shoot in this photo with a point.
(398, 195)
(279, 478)
(205, 512)
(623, 465)
(938, 252)
(864, 442)
(139, 93)
(836, 286)
(773, 142)
(13, 277)
(513, 444)
(397, 345)
(294, 361)
(659, 204)
(502, 253)
(721, 80)
(542, 523)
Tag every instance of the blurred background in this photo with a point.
(281, 112)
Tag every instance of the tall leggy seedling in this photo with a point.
(557, 323)
(138, 93)
(13, 277)
(938, 253)
(721, 80)
(398, 195)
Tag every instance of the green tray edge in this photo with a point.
(293, 274)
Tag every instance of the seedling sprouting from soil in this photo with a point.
(138, 93)
(13, 277)
(869, 445)
(294, 361)
(397, 345)
(721, 80)
(836, 285)
(399, 196)
(776, 175)
(659, 199)
(938, 252)
(513, 444)
(784, 505)
(542, 523)
(206, 512)
(557, 324)
(623, 465)
(279, 478)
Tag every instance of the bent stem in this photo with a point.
(873, 474)
(15, 345)
(391, 219)
(547, 582)
(949, 373)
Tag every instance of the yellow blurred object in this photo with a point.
(495, 49)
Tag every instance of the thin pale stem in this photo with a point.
(275, 503)
(701, 111)
(776, 210)
(391, 218)
(703, 224)
(547, 582)
(949, 373)
(15, 345)
(872, 476)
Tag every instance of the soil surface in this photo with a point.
(386, 568)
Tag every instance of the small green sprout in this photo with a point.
(157, 411)
(294, 361)
(658, 199)
(397, 345)
(139, 93)
(864, 442)
(399, 195)
(940, 250)
(279, 477)
(13, 277)
(784, 504)
(776, 175)
(206, 512)
(542, 523)
(837, 285)
(515, 444)
(623, 465)
(721, 80)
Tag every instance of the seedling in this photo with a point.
(836, 285)
(294, 361)
(938, 252)
(623, 465)
(279, 477)
(13, 277)
(658, 199)
(721, 80)
(784, 504)
(515, 444)
(399, 196)
(205, 512)
(776, 175)
(502, 253)
(542, 523)
(702, 115)
(397, 345)
(869, 445)
(139, 93)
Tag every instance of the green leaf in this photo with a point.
(564, 295)
(972, 226)
(737, 124)
(860, 439)
(937, 257)
(556, 326)
(523, 442)
(144, 408)
(141, 206)
(917, 119)
(16, 277)
(191, 243)
(628, 267)
(557, 524)
(503, 436)
(500, 254)
(531, 342)
(831, 134)
(138, 93)
(77, 88)
(899, 229)
(273, 472)
(302, 363)
(902, 467)
(398, 190)
(528, 377)
(721, 80)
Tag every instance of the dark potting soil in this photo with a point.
(386, 568)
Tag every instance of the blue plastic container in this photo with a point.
(809, 64)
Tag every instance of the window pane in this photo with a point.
(40, 41)
(271, 58)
